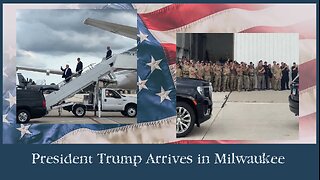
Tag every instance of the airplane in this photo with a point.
(124, 75)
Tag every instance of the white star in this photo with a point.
(11, 99)
(164, 95)
(11, 52)
(24, 130)
(143, 37)
(142, 84)
(4, 118)
(154, 64)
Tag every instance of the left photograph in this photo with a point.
(76, 66)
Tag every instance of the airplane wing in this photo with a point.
(47, 71)
(127, 31)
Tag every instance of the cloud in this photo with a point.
(58, 32)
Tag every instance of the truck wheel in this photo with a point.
(23, 116)
(131, 110)
(185, 119)
(79, 110)
(124, 113)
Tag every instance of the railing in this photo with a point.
(84, 70)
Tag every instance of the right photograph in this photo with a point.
(237, 86)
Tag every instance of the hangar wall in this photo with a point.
(252, 47)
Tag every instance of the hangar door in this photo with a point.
(252, 47)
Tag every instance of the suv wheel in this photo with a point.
(185, 119)
(131, 110)
(23, 116)
(79, 111)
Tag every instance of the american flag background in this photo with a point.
(157, 27)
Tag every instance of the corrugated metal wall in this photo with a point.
(252, 47)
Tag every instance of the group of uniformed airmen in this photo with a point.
(234, 76)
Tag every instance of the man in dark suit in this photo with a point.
(109, 53)
(79, 67)
(67, 73)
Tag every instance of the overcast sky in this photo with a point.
(49, 39)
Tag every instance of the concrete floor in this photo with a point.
(256, 115)
(68, 118)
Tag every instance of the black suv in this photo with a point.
(294, 96)
(30, 104)
(194, 104)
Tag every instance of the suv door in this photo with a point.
(112, 100)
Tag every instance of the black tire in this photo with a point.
(23, 116)
(185, 119)
(131, 110)
(124, 113)
(79, 110)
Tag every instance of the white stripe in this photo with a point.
(147, 8)
(162, 131)
(236, 20)
(307, 101)
(307, 50)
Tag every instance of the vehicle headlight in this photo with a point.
(210, 87)
(200, 90)
(294, 91)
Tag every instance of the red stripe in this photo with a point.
(307, 74)
(170, 51)
(307, 127)
(306, 29)
(177, 15)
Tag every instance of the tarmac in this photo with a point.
(254, 115)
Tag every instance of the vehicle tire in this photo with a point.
(185, 119)
(23, 116)
(131, 110)
(79, 110)
(124, 113)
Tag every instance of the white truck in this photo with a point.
(110, 100)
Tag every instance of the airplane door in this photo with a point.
(111, 100)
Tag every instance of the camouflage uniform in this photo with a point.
(185, 70)
(252, 81)
(233, 78)
(246, 78)
(217, 78)
(277, 78)
(192, 72)
(178, 72)
(226, 78)
(239, 77)
(207, 73)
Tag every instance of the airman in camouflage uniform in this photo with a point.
(192, 71)
(252, 81)
(260, 76)
(239, 77)
(226, 78)
(207, 72)
(246, 77)
(178, 71)
(233, 77)
(217, 77)
(185, 69)
(277, 77)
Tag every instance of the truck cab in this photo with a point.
(110, 101)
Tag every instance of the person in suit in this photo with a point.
(67, 73)
(79, 67)
(109, 52)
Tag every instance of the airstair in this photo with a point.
(77, 83)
